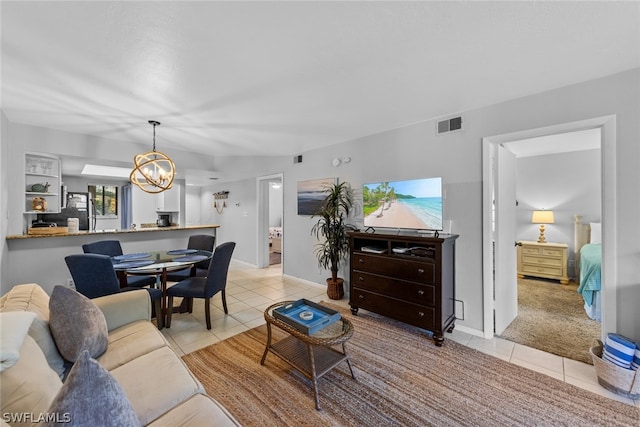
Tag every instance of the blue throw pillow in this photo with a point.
(90, 396)
(76, 324)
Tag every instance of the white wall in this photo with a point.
(568, 184)
(238, 222)
(275, 206)
(415, 151)
(4, 195)
(192, 208)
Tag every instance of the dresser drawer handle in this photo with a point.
(421, 270)
(360, 260)
(420, 314)
(361, 296)
(420, 292)
(361, 279)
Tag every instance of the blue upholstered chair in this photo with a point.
(205, 287)
(94, 276)
(113, 248)
(197, 241)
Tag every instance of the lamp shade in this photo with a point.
(542, 217)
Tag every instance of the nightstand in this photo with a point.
(546, 260)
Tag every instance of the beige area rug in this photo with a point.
(551, 318)
(403, 380)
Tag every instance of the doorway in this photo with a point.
(270, 219)
(498, 235)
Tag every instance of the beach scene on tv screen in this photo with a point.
(413, 204)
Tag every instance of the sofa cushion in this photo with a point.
(90, 397)
(76, 324)
(129, 342)
(200, 410)
(29, 386)
(31, 297)
(156, 382)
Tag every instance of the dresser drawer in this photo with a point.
(410, 291)
(422, 272)
(536, 260)
(542, 251)
(540, 270)
(531, 250)
(414, 314)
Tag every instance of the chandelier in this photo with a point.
(153, 171)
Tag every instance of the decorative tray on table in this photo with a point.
(306, 316)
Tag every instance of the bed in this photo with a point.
(275, 239)
(588, 256)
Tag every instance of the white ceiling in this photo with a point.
(589, 139)
(280, 78)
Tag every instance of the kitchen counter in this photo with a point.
(112, 231)
(41, 259)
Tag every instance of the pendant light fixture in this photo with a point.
(153, 171)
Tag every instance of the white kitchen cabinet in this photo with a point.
(168, 200)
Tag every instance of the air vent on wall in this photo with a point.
(449, 125)
(297, 159)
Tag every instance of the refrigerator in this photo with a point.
(76, 205)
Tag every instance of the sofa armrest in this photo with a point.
(125, 307)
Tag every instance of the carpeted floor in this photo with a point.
(403, 380)
(551, 318)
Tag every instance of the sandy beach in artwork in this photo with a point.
(396, 214)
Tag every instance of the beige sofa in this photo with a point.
(159, 386)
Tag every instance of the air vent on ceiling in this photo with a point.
(449, 125)
(297, 159)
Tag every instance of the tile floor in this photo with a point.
(250, 291)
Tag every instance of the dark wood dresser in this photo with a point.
(405, 276)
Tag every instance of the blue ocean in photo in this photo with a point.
(428, 209)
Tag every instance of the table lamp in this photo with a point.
(542, 218)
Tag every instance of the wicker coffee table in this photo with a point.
(313, 355)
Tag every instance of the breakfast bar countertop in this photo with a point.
(112, 231)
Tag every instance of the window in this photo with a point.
(105, 199)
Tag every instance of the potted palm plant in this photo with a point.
(331, 231)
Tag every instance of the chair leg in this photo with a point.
(207, 312)
(159, 316)
(224, 301)
(169, 310)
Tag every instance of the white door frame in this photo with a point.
(262, 241)
(609, 211)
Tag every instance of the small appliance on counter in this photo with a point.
(164, 220)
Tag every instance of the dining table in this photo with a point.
(159, 264)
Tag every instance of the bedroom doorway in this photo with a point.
(270, 208)
(494, 269)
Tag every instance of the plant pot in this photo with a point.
(335, 290)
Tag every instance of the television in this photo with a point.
(410, 204)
